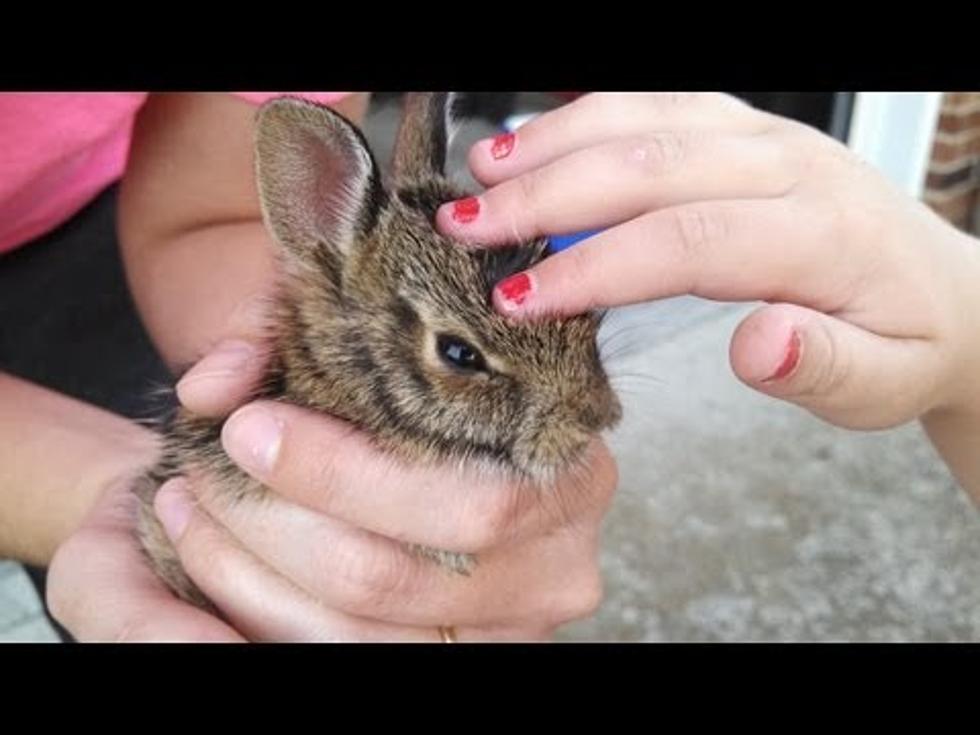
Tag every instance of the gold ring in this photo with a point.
(448, 633)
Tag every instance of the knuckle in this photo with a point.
(698, 230)
(370, 581)
(582, 600)
(656, 153)
(529, 186)
(204, 554)
(578, 270)
(206, 551)
(856, 230)
(528, 201)
(495, 519)
(325, 481)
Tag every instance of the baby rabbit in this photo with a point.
(385, 323)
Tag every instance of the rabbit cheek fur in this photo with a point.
(369, 294)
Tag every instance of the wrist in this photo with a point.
(953, 423)
(57, 457)
(960, 391)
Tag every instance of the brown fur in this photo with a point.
(367, 285)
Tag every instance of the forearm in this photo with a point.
(954, 425)
(190, 228)
(956, 435)
(195, 288)
(56, 456)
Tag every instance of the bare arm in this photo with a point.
(871, 302)
(195, 250)
(196, 253)
(956, 434)
(57, 455)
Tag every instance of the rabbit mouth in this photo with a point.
(562, 434)
(551, 451)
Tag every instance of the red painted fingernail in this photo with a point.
(466, 210)
(502, 146)
(514, 290)
(790, 359)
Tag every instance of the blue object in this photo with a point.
(557, 243)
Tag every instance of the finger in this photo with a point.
(223, 379)
(100, 589)
(597, 118)
(265, 605)
(840, 372)
(609, 183)
(371, 577)
(230, 374)
(259, 602)
(325, 465)
(725, 250)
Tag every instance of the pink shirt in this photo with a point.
(58, 150)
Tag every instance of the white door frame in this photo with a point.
(894, 131)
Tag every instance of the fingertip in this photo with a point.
(221, 379)
(513, 296)
(766, 347)
(480, 162)
(444, 220)
(173, 507)
(488, 158)
(789, 360)
(252, 437)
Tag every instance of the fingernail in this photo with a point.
(514, 291)
(252, 437)
(502, 146)
(227, 359)
(172, 505)
(466, 210)
(791, 357)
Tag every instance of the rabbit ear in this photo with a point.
(424, 135)
(318, 182)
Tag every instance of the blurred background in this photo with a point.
(737, 518)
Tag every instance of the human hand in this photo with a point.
(325, 553)
(873, 299)
(324, 556)
(100, 587)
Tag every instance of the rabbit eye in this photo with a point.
(459, 354)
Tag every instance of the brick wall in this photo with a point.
(953, 180)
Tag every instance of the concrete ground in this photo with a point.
(739, 518)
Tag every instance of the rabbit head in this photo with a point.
(389, 324)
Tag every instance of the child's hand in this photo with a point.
(874, 301)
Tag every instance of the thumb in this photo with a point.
(228, 375)
(223, 379)
(842, 373)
